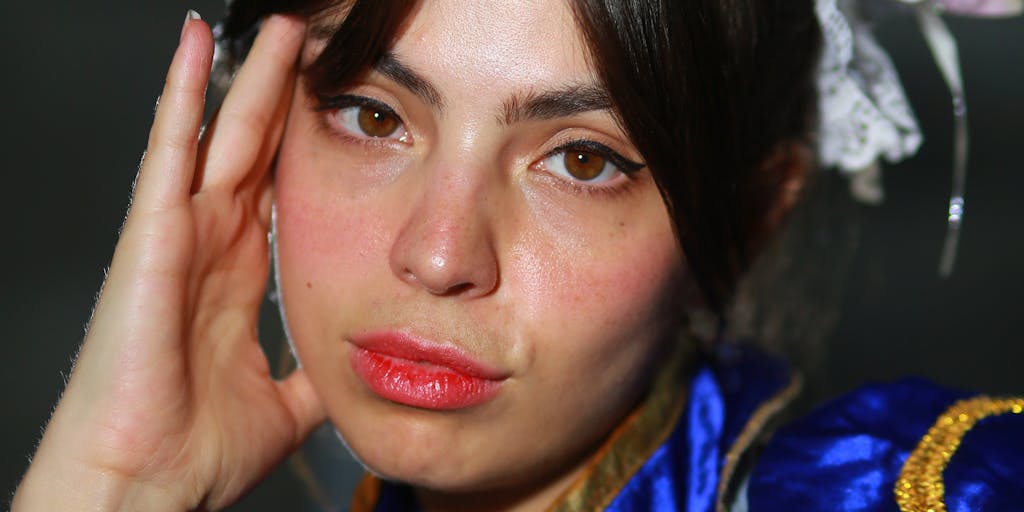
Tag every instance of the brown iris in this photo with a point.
(376, 122)
(583, 165)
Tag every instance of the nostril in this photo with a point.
(457, 289)
(436, 288)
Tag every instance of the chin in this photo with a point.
(425, 449)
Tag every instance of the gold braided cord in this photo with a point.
(920, 487)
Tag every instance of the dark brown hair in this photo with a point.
(715, 94)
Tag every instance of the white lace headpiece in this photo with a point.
(863, 111)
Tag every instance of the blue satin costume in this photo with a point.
(691, 444)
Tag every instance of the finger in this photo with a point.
(165, 176)
(301, 399)
(249, 123)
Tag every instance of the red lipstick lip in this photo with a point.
(422, 373)
(405, 346)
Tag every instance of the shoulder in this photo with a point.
(909, 445)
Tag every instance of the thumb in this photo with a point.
(301, 399)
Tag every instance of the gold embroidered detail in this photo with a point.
(920, 487)
(765, 413)
(633, 441)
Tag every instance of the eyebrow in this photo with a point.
(564, 102)
(389, 66)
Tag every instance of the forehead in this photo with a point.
(495, 43)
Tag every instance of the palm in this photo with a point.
(206, 373)
(171, 386)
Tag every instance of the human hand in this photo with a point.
(171, 404)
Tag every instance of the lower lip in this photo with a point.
(423, 385)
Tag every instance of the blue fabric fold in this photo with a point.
(987, 471)
(848, 454)
(683, 473)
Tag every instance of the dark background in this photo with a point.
(78, 89)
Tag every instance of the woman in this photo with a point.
(488, 222)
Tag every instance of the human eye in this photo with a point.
(363, 118)
(587, 162)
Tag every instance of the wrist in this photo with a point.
(63, 485)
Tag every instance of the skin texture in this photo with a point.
(457, 228)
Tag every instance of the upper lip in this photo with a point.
(415, 348)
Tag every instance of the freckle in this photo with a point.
(309, 285)
(622, 223)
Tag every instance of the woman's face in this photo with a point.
(474, 270)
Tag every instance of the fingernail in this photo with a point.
(189, 16)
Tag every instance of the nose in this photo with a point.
(446, 244)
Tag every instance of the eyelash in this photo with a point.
(625, 166)
(332, 104)
(628, 168)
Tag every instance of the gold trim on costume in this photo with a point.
(366, 495)
(764, 413)
(632, 442)
(920, 487)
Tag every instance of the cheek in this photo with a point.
(332, 217)
(329, 240)
(321, 238)
(576, 289)
(594, 311)
(608, 273)
(609, 317)
(594, 321)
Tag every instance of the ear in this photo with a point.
(690, 315)
(777, 183)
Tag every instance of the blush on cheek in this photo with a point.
(624, 292)
(609, 279)
(323, 238)
(325, 246)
